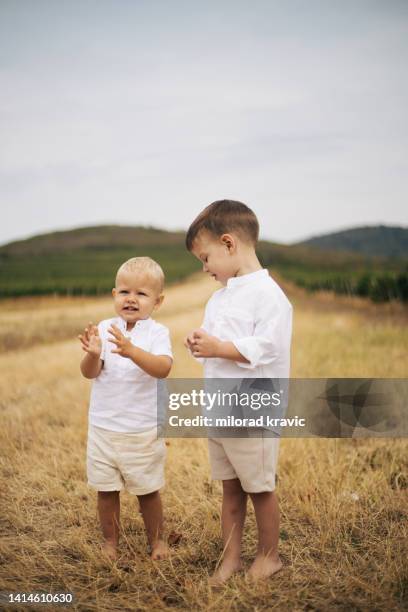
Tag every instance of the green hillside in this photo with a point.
(93, 238)
(381, 240)
(84, 261)
(378, 278)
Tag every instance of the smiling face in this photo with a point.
(135, 295)
(217, 254)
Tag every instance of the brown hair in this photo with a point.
(225, 216)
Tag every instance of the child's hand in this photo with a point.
(90, 340)
(202, 344)
(189, 340)
(123, 345)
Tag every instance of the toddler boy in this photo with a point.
(246, 333)
(125, 356)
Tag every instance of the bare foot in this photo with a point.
(264, 566)
(160, 551)
(109, 550)
(224, 573)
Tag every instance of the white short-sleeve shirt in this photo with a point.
(124, 397)
(254, 314)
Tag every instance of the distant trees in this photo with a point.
(377, 287)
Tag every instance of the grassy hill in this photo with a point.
(101, 237)
(381, 240)
(84, 261)
(378, 278)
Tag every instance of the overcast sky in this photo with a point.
(144, 111)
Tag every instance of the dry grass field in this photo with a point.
(344, 503)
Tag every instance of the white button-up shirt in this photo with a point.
(254, 314)
(124, 397)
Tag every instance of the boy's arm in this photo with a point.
(270, 339)
(207, 346)
(91, 366)
(157, 366)
(92, 363)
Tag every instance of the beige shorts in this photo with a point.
(131, 461)
(252, 460)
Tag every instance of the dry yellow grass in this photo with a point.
(25, 322)
(343, 502)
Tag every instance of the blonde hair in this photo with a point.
(145, 265)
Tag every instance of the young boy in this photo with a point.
(246, 333)
(125, 356)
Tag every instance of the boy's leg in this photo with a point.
(267, 560)
(234, 502)
(152, 513)
(109, 515)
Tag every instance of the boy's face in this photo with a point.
(216, 255)
(135, 296)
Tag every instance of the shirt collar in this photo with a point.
(139, 324)
(238, 281)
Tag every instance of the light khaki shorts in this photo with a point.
(252, 460)
(131, 461)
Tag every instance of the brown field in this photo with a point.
(344, 503)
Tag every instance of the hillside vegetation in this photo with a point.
(83, 262)
(381, 240)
